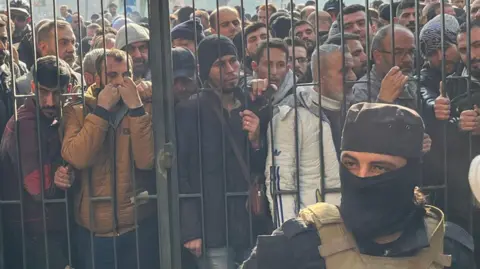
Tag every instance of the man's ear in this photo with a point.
(254, 66)
(395, 20)
(43, 46)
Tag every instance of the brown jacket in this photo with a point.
(87, 146)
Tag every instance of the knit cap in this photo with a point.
(212, 48)
(186, 30)
(383, 129)
(431, 34)
(120, 22)
(135, 32)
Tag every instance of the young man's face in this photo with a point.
(365, 164)
(407, 18)
(307, 34)
(254, 39)
(474, 50)
(114, 73)
(301, 60)
(355, 23)
(359, 57)
(229, 24)
(225, 72)
(277, 65)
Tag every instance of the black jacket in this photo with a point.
(206, 162)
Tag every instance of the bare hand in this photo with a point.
(251, 124)
(442, 105)
(195, 246)
(144, 89)
(63, 177)
(427, 143)
(392, 85)
(259, 86)
(129, 93)
(108, 97)
(469, 119)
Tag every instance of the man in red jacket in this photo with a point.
(34, 171)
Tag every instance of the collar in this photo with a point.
(412, 240)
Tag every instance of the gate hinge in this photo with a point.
(165, 156)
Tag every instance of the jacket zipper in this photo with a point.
(114, 171)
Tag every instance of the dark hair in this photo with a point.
(253, 27)
(300, 23)
(353, 9)
(432, 10)
(404, 4)
(296, 42)
(310, 3)
(184, 14)
(118, 55)
(473, 24)
(112, 5)
(273, 43)
(337, 38)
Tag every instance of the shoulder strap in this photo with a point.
(233, 143)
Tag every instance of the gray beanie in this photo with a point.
(431, 34)
(136, 33)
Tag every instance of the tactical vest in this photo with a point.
(340, 251)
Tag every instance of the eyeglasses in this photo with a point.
(400, 53)
(301, 60)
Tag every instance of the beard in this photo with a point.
(70, 58)
(140, 67)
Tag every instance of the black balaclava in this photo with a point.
(382, 205)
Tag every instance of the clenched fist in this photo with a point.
(259, 86)
(442, 105)
(64, 177)
(129, 93)
(108, 97)
(469, 120)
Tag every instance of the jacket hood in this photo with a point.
(284, 89)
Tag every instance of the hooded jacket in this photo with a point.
(87, 146)
(283, 148)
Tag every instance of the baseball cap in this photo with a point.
(331, 5)
(183, 63)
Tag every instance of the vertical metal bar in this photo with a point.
(17, 138)
(445, 126)
(469, 93)
(295, 122)
(392, 24)
(167, 193)
(368, 52)
(132, 160)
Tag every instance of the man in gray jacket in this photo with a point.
(389, 78)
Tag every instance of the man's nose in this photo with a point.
(135, 53)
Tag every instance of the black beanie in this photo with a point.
(384, 129)
(212, 48)
(281, 26)
(186, 30)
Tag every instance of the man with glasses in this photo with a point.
(391, 70)
(300, 63)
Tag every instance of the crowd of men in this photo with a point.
(270, 119)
